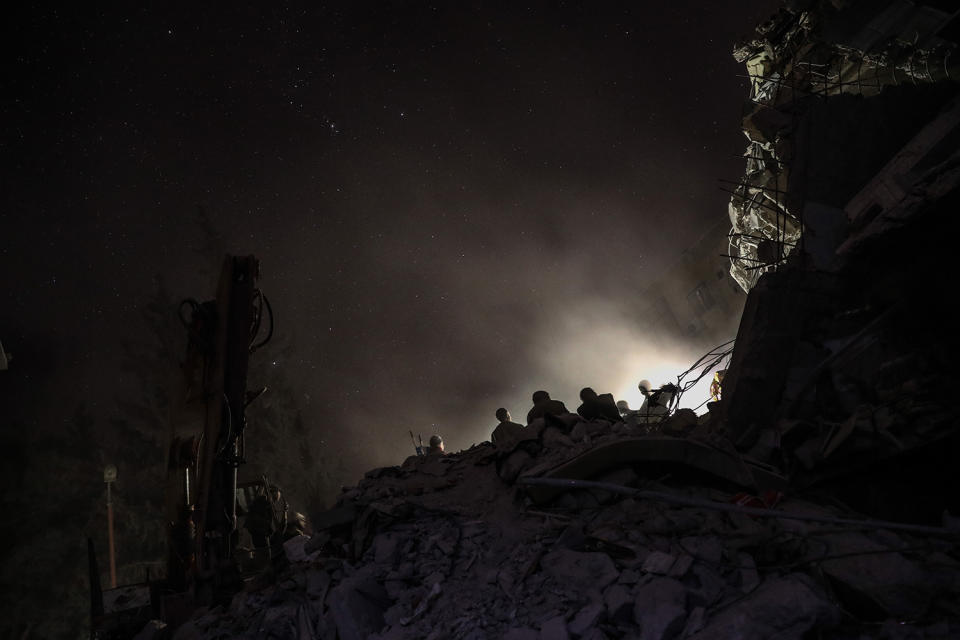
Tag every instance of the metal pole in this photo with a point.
(109, 476)
(113, 562)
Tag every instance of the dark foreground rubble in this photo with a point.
(446, 547)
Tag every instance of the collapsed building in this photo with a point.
(816, 498)
(810, 67)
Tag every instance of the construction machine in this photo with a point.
(207, 446)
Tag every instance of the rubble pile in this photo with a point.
(459, 546)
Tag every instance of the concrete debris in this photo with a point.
(476, 557)
(661, 609)
(619, 603)
(295, 549)
(782, 607)
(472, 558)
(586, 618)
(659, 563)
(358, 604)
(554, 629)
(568, 566)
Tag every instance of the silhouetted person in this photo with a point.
(436, 445)
(297, 525)
(624, 408)
(598, 406)
(629, 415)
(543, 405)
(656, 402)
(266, 517)
(507, 432)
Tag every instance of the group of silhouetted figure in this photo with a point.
(657, 404)
(594, 406)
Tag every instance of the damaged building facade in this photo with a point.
(695, 299)
(824, 75)
(817, 498)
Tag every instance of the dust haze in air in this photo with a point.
(445, 225)
(539, 306)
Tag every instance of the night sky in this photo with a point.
(454, 205)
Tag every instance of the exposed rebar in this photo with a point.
(669, 498)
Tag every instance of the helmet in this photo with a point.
(645, 387)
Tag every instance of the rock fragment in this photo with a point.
(554, 629)
(586, 618)
(660, 609)
(619, 602)
(783, 607)
(589, 569)
(358, 604)
(659, 563)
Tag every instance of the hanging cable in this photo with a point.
(707, 363)
(263, 303)
(229, 422)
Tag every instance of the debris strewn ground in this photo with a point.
(446, 547)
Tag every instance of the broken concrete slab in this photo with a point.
(513, 464)
(889, 581)
(619, 602)
(695, 622)
(660, 608)
(586, 618)
(706, 548)
(592, 569)
(784, 607)
(749, 578)
(554, 629)
(681, 566)
(295, 549)
(358, 604)
(724, 464)
(659, 563)
(704, 585)
(521, 633)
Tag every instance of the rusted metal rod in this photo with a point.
(113, 561)
(669, 498)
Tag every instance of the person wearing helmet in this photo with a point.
(656, 402)
(436, 445)
(624, 408)
(266, 517)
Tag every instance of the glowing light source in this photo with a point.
(660, 372)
